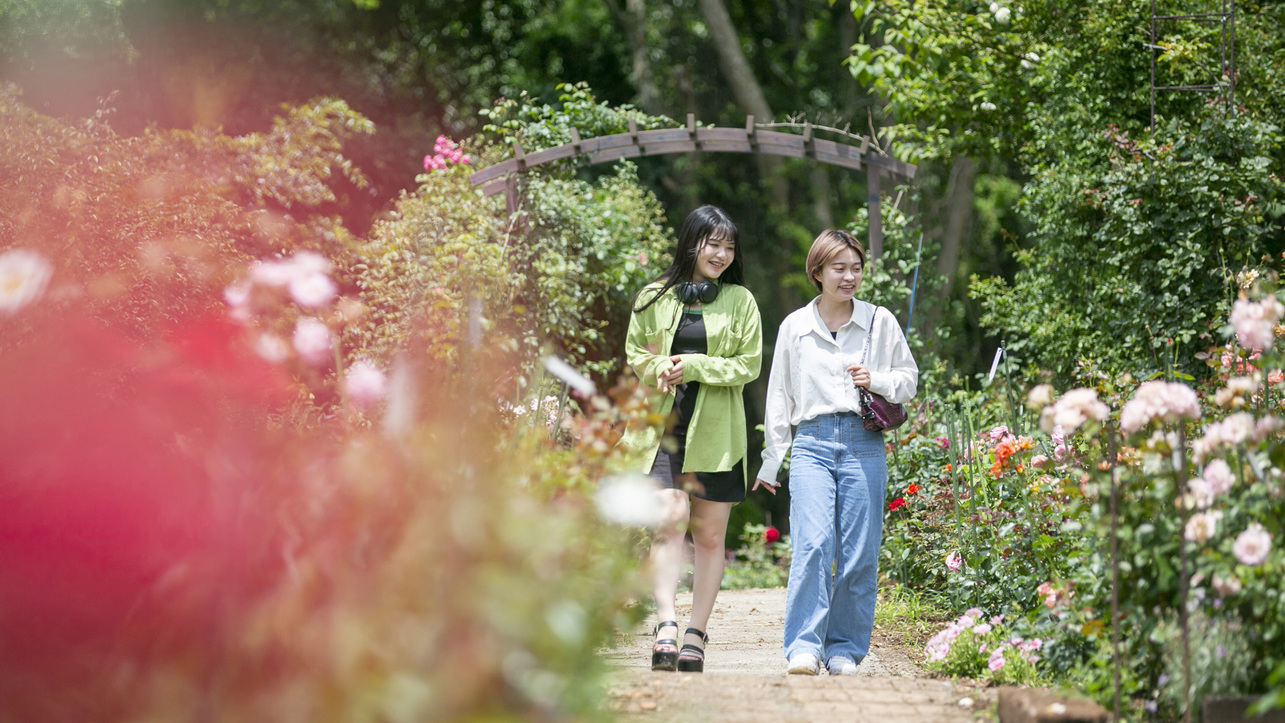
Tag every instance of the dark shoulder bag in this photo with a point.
(877, 413)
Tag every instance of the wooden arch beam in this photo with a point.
(635, 144)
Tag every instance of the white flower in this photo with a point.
(1040, 396)
(1237, 428)
(1254, 322)
(1001, 15)
(271, 348)
(1237, 391)
(632, 500)
(1227, 586)
(1157, 400)
(312, 290)
(1219, 476)
(1072, 410)
(1252, 545)
(1230, 432)
(237, 295)
(987, 105)
(1030, 59)
(312, 341)
(310, 262)
(272, 273)
(23, 277)
(1202, 526)
(1199, 493)
(1266, 427)
(364, 384)
(994, 8)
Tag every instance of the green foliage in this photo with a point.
(1161, 229)
(540, 125)
(151, 228)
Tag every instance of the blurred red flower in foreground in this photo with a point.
(771, 535)
(134, 512)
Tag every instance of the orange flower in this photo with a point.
(912, 489)
(948, 468)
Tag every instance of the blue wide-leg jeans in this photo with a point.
(838, 476)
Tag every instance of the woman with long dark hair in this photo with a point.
(696, 337)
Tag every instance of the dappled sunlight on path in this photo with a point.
(745, 676)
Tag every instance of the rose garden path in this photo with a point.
(745, 678)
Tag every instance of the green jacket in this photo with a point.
(716, 435)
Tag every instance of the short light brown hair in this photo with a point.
(826, 246)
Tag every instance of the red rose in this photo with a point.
(899, 502)
(771, 535)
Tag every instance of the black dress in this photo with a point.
(728, 486)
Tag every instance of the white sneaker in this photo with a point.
(805, 664)
(840, 665)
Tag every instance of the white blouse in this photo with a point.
(809, 377)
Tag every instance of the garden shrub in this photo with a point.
(762, 560)
(150, 229)
(557, 277)
(1197, 473)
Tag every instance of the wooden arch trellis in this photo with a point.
(750, 139)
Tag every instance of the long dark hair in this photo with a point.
(703, 223)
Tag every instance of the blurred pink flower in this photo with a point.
(1040, 396)
(272, 273)
(1202, 526)
(271, 348)
(1229, 586)
(998, 432)
(1049, 593)
(1158, 400)
(1252, 545)
(365, 384)
(1254, 322)
(981, 628)
(23, 277)
(996, 660)
(954, 561)
(1072, 410)
(1219, 476)
(312, 340)
(312, 290)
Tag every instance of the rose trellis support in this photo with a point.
(863, 156)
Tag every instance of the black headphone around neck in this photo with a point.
(689, 292)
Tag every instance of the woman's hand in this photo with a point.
(769, 486)
(672, 378)
(860, 375)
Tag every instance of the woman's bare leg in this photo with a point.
(709, 528)
(667, 552)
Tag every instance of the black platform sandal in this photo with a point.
(691, 659)
(664, 654)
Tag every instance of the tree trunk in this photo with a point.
(959, 217)
(731, 60)
(821, 197)
(633, 20)
(749, 96)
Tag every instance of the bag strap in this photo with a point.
(865, 347)
(865, 351)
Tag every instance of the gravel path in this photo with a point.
(745, 677)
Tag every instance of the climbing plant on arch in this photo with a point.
(866, 156)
